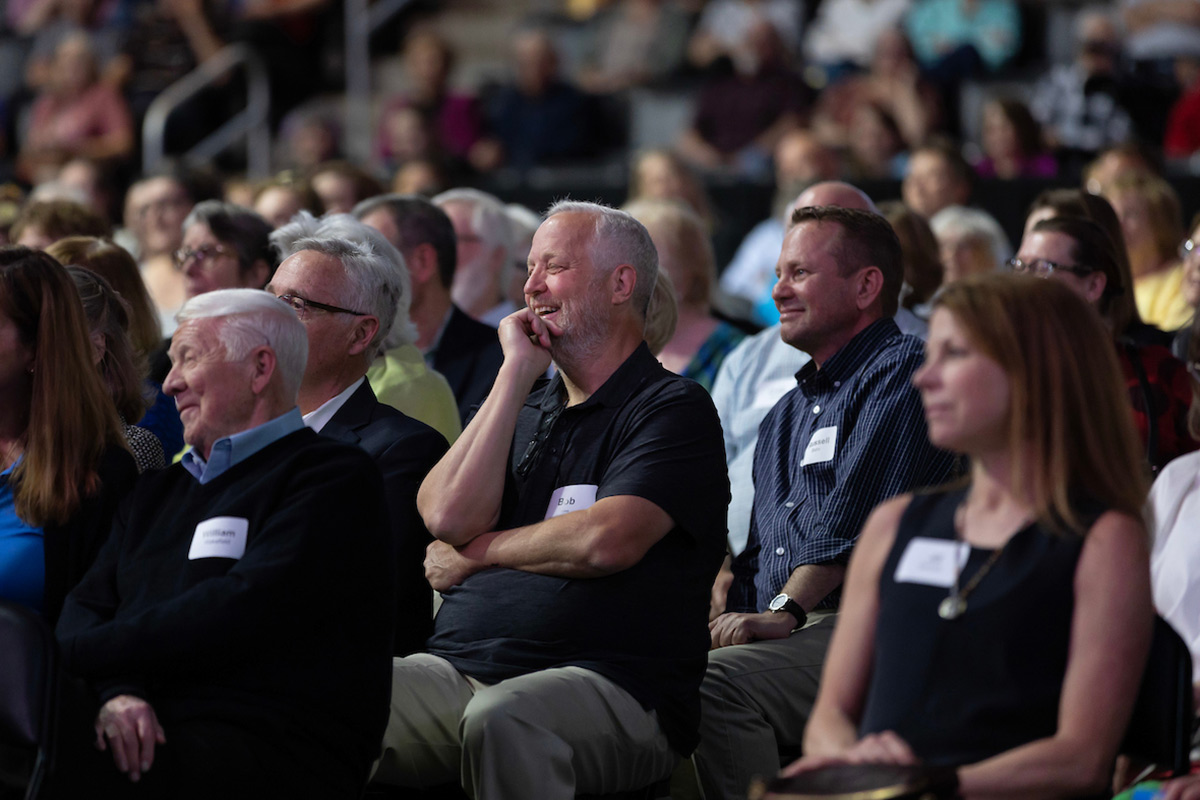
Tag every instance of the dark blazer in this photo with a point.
(468, 356)
(405, 451)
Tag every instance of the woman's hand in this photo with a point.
(874, 748)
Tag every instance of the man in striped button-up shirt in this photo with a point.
(850, 435)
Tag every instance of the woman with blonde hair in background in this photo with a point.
(701, 341)
(1152, 222)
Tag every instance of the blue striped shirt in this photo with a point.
(849, 436)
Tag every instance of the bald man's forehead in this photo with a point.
(834, 194)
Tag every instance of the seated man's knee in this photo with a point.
(491, 712)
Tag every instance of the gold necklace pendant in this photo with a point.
(952, 607)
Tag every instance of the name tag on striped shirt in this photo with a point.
(821, 446)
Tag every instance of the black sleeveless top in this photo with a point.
(962, 690)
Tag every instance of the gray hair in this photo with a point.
(240, 228)
(618, 238)
(489, 220)
(974, 223)
(251, 318)
(377, 277)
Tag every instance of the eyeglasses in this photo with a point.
(303, 306)
(1044, 268)
(538, 443)
(203, 254)
(1187, 249)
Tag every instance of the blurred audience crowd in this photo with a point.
(932, 106)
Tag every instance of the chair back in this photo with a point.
(1161, 728)
(28, 687)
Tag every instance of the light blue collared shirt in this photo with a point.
(229, 451)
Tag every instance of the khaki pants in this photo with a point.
(549, 734)
(755, 699)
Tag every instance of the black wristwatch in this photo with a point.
(781, 602)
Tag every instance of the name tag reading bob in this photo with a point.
(571, 498)
(220, 537)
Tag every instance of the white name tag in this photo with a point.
(220, 537)
(933, 562)
(769, 392)
(571, 498)
(820, 446)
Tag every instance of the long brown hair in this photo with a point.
(1069, 422)
(71, 416)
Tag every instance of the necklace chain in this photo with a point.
(955, 605)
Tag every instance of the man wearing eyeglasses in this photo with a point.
(234, 631)
(580, 523)
(338, 280)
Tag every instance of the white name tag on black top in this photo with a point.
(821, 446)
(220, 537)
(933, 562)
(576, 497)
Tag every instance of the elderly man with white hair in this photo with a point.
(485, 245)
(580, 523)
(344, 292)
(971, 242)
(235, 631)
(397, 372)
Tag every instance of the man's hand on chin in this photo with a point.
(129, 725)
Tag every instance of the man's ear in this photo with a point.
(623, 282)
(99, 346)
(263, 361)
(1094, 285)
(868, 286)
(364, 330)
(422, 263)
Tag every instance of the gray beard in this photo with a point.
(583, 341)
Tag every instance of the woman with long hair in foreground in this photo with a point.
(64, 465)
(1000, 627)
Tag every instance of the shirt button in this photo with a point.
(816, 409)
(789, 504)
(779, 551)
(836, 384)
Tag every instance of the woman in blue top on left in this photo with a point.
(63, 462)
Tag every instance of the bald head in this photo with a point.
(833, 193)
(800, 156)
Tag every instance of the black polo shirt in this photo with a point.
(648, 433)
